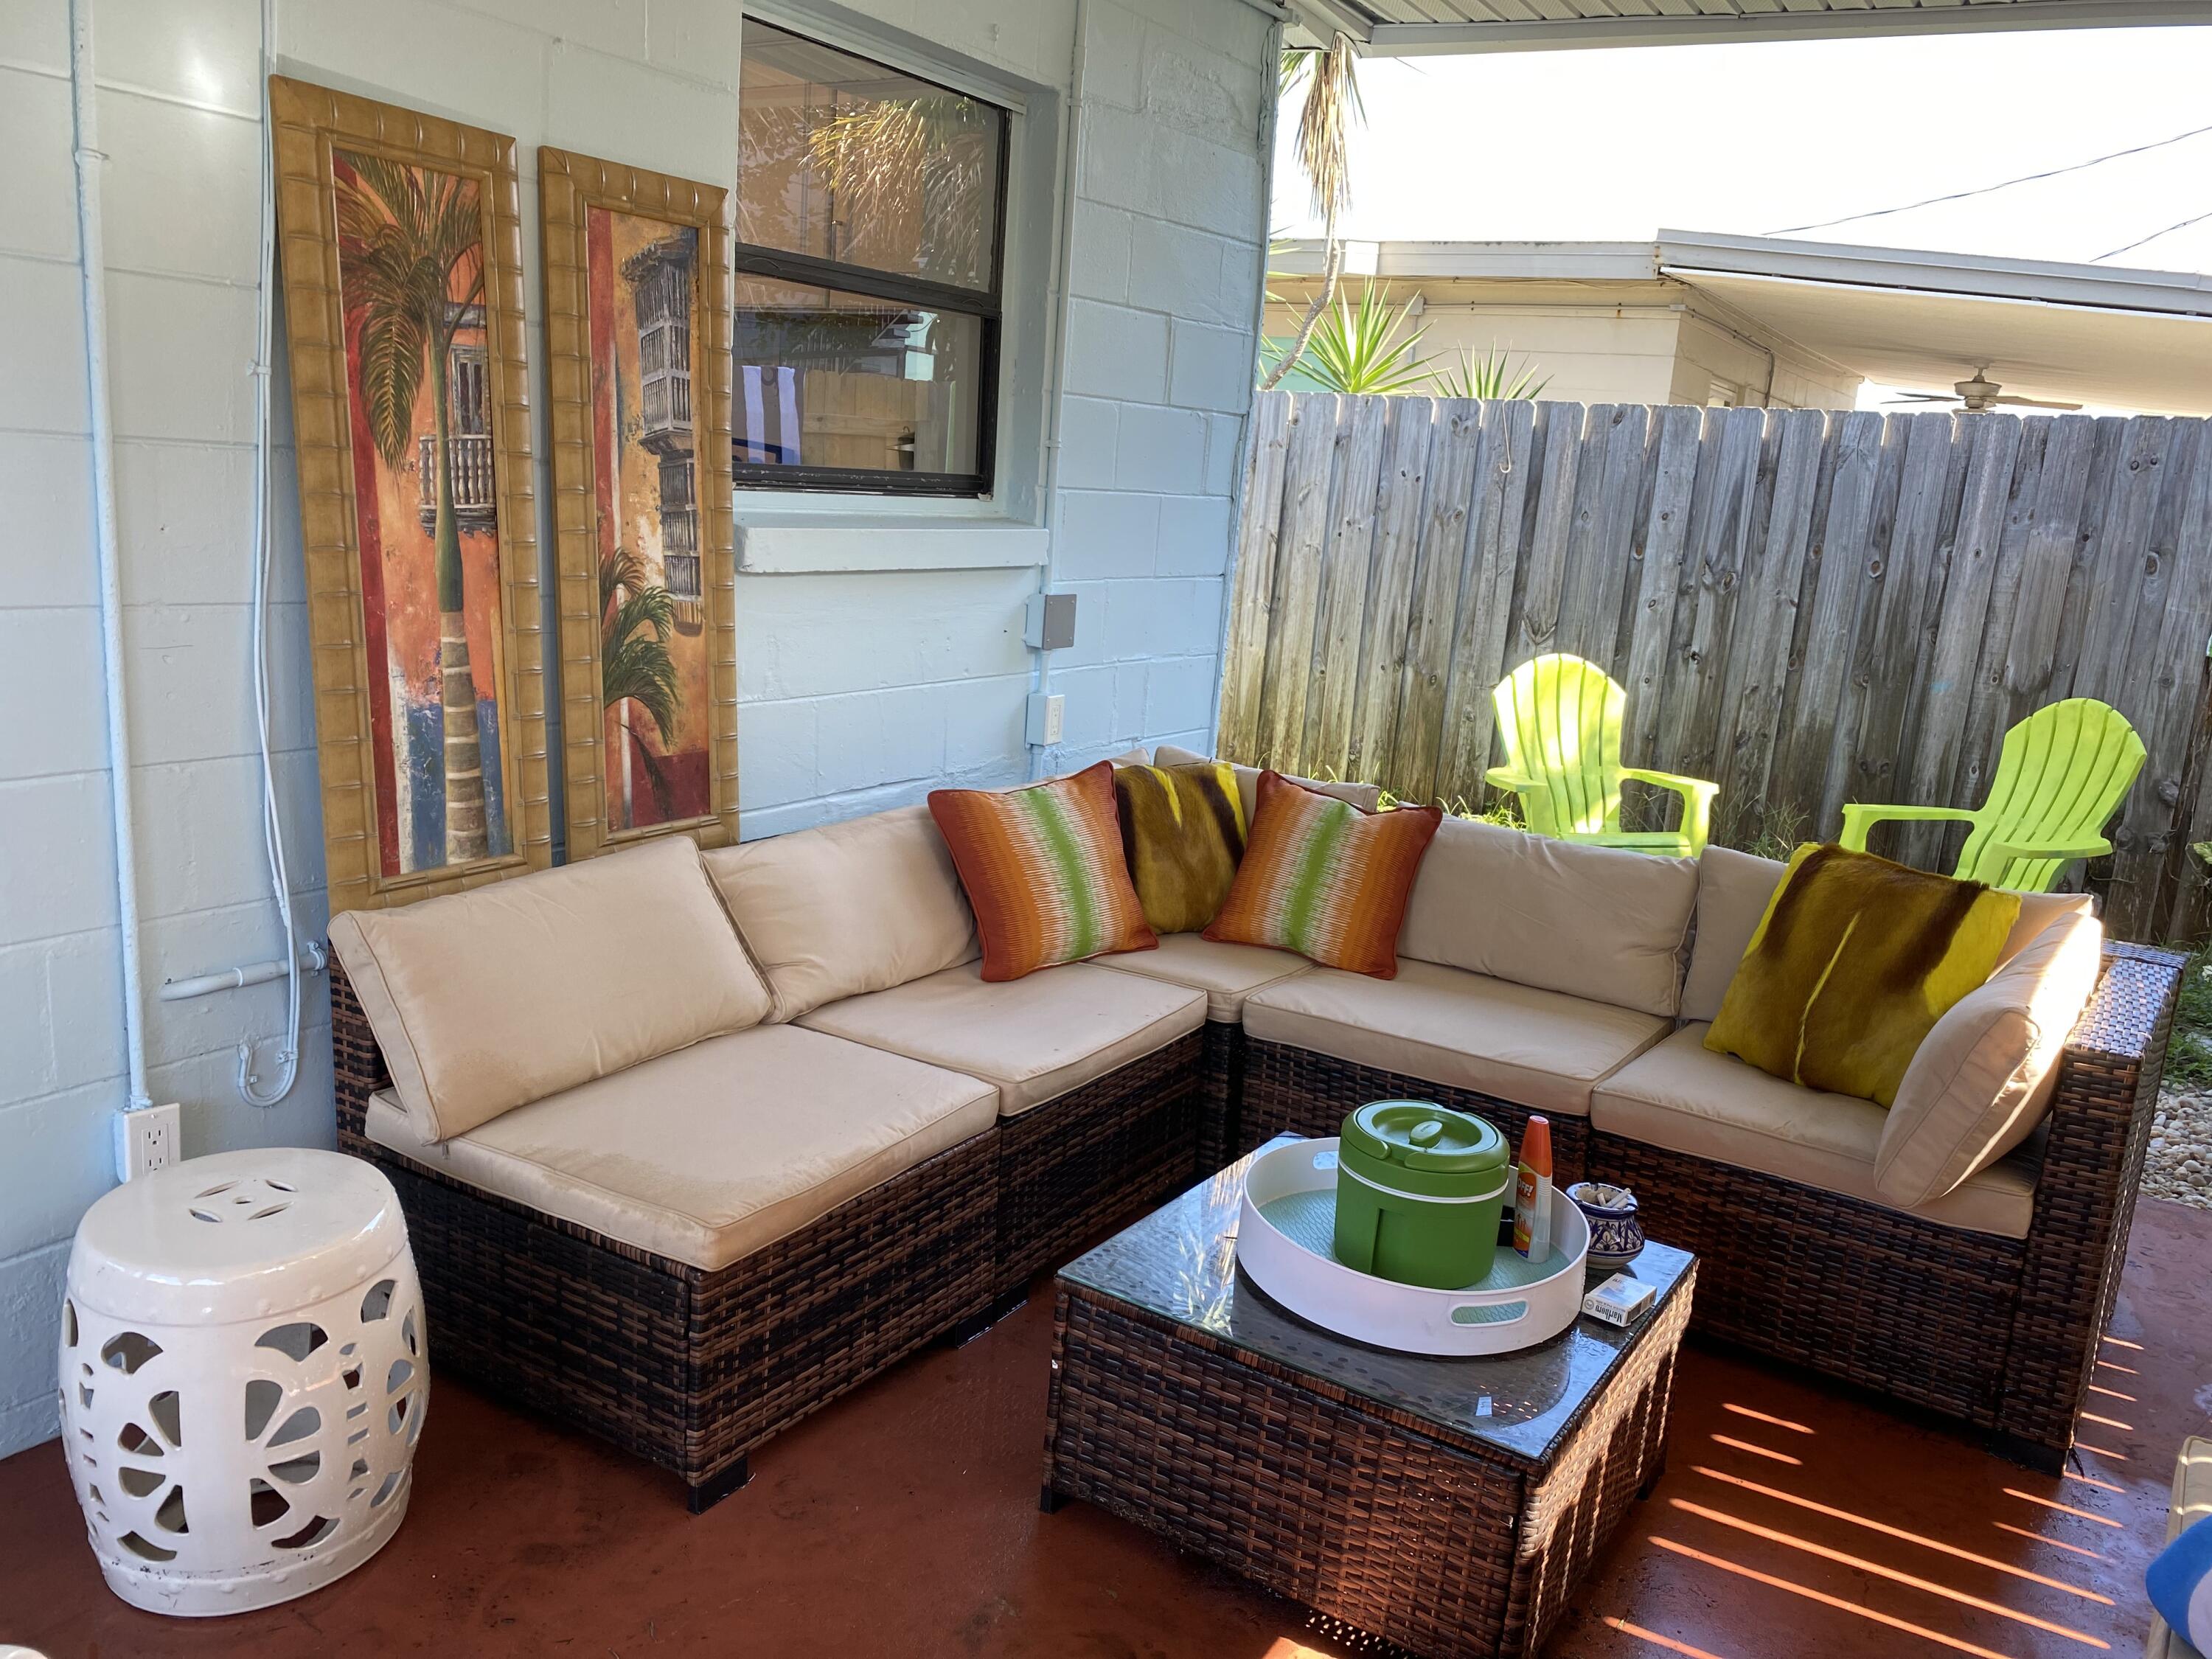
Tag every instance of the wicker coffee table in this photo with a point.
(1448, 1506)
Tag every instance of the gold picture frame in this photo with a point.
(428, 666)
(640, 415)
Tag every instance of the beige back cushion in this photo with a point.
(1593, 921)
(848, 909)
(1733, 891)
(486, 1000)
(1981, 1080)
(1365, 796)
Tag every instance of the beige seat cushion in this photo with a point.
(1226, 973)
(705, 1155)
(486, 1000)
(1981, 1080)
(848, 909)
(1035, 1038)
(1365, 796)
(1733, 891)
(1592, 922)
(1541, 1049)
(1683, 1096)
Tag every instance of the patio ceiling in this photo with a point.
(1407, 28)
(2086, 334)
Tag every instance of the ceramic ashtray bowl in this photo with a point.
(1616, 1235)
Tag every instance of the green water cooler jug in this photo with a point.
(1419, 1191)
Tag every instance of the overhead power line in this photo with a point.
(2130, 248)
(2003, 184)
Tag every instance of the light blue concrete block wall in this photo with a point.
(861, 687)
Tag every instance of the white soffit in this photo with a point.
(1410, 28)
(2120, 339)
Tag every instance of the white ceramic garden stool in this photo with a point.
(243, 1375)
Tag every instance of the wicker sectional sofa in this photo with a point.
(692, 1144)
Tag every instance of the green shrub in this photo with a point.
(2189, 1051)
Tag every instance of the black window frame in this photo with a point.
(986, 305)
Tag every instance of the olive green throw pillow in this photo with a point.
(1853, 964)
(1182, 831)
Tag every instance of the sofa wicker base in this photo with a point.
(1221, 1087)
(687, 1368)
(1855, 1291)
(1998, 1334)
(1071, 1168)
(1295, 1091)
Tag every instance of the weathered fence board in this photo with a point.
(1809, 607)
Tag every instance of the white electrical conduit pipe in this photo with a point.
(272, 825)
(1056, 397)
(93, 272)
(312, 959)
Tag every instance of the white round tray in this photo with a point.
(1289, 1257)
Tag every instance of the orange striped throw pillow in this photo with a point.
(1323, 879)
(1043, 870)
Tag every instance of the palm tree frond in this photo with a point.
(1324, 143)
(392, 363)
(637, 621)
(885, 159)
(400, 241)
(1324, 155)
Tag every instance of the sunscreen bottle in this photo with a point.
(1532, 1195)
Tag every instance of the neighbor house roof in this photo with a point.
(2073, 333)
(1406, 28)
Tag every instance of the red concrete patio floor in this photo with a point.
(1793, 1523)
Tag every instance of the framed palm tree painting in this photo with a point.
(637, 326)
(401, 247)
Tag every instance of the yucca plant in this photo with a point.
(636, 620)
(1360, 348)
(1324, 153)
(1488, 374)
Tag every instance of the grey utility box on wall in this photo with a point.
(1051, 625)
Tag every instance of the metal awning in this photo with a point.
(1407, 28)
(2085, 334)
(2102, 335)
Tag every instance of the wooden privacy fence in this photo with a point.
(1806, 606)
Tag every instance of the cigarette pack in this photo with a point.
(1619, 1301)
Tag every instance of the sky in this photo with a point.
(1614, 145)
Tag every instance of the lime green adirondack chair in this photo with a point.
(2062, 774)
(1559, 718)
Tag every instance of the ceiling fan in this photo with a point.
(1978, 394)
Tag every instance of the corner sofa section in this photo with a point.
(740, 1180)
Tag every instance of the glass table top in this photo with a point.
(1180, 1264)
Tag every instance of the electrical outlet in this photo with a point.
(1047, 713)
(146, 1141)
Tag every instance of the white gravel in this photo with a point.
(2180, 1164)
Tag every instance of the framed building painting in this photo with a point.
(637, 334)
(400, 240)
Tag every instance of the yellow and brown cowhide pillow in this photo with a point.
(1853, 964)
(1182, 831)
